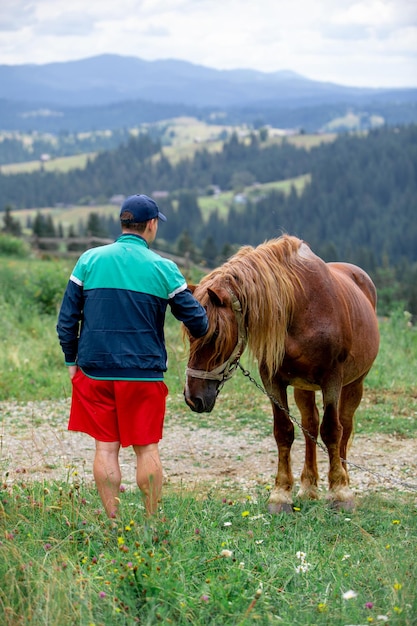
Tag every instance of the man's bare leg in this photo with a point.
(149, 475)
(107, 475)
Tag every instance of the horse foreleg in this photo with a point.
(350, 399)
(281, 496)
(331, 433)
(306, 402)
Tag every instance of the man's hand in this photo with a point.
(72, 370)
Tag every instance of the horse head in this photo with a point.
(214, 357)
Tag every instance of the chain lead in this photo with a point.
(248, 375)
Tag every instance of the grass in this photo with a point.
(73, 215)
(222, 201)
(206, 558)
(59, 164)
(203, 560)
(66, 216)
(181, 137)
(31, 363)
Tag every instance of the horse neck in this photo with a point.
(267, 304)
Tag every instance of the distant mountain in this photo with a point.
(108, 78)
(110, 83)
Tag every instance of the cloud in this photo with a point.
(16, 15)
(349, 32)
(65, 25)
(363, 42)
(378, 15)
(154, 30)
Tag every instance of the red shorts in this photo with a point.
(129, 411)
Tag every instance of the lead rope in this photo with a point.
(248, 375)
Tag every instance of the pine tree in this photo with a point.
(11, 225)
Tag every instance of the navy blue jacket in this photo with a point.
(111, 321)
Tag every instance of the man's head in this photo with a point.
(137, 210)
(140, 214)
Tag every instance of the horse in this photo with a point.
(309, 324)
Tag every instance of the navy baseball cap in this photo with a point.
(142, 208)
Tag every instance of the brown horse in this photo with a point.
(311, 325)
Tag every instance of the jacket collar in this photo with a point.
(133, 237)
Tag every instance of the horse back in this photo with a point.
(334, 325)
(359, 277)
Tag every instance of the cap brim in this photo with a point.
(161, 216)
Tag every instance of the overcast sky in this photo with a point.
(350, 42)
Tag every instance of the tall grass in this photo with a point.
(31, 362)
(205, 559)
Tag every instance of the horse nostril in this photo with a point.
(198, 405)
(194, 402)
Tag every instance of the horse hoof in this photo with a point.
(279, 507)
(342, 505)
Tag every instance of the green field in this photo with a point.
(181, 138)
(67, 216)
(60, 164)
(210, 557)
(222, 201)
(73, 215)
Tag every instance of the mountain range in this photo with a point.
(107, 87)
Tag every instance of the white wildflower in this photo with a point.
(304, 567)
(227, 554)
(349, 595)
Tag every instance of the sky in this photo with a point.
(369, 43)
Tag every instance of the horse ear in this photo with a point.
(191, 287)
(218, 296)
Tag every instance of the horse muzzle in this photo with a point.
(200, 398)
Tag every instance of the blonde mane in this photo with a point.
(263, 279)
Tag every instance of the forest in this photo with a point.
(359, 203)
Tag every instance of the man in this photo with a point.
(111, 330)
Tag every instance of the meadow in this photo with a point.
(72, 216)
(208, 557)
(180, 137)
(60, 164)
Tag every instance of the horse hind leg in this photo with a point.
(350, 399)
(331, 430)
(306, 402)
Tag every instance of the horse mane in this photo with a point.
(263, 279)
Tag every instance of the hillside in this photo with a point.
(353, 198)
(111, 91)
(109, 78)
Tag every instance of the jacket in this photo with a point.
(111, 321)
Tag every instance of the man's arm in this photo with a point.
(69, 321)
(189, 311)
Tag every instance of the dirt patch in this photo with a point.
(35, 444)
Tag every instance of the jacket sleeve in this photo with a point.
(189, 311)
(69, 319)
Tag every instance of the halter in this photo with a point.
(225, 371)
